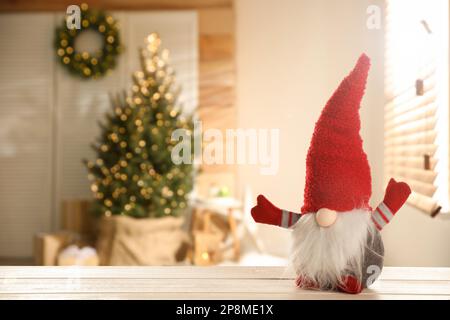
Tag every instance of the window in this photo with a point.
(417, 107)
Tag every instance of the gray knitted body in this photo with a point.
(373, 259)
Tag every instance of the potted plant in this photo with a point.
(140, 193)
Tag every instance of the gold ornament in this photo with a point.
(114, 137)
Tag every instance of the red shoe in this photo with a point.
(350, 285)
(303, 283)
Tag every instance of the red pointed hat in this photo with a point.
(337, 170)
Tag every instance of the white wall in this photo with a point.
(415, 239)
(291, 55)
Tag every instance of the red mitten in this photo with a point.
(396, 195)
(266, 212)
(394, 198)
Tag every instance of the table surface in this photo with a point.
(205, 283)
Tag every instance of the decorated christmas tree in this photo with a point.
(134, 173)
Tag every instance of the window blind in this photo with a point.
(25, 130)
(413, 147)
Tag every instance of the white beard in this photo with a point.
(324, 255)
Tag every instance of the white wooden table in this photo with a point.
(204, 283)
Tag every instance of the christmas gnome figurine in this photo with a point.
(337, 243)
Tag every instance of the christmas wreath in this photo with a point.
(86, 64)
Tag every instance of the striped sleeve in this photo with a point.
(288, 219)
(381, 216)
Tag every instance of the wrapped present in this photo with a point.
(48, 245)
(76, 217)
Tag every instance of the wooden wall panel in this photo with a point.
(217, 86)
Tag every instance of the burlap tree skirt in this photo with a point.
(129, 241)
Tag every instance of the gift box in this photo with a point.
(47, 246)
(77, 218)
